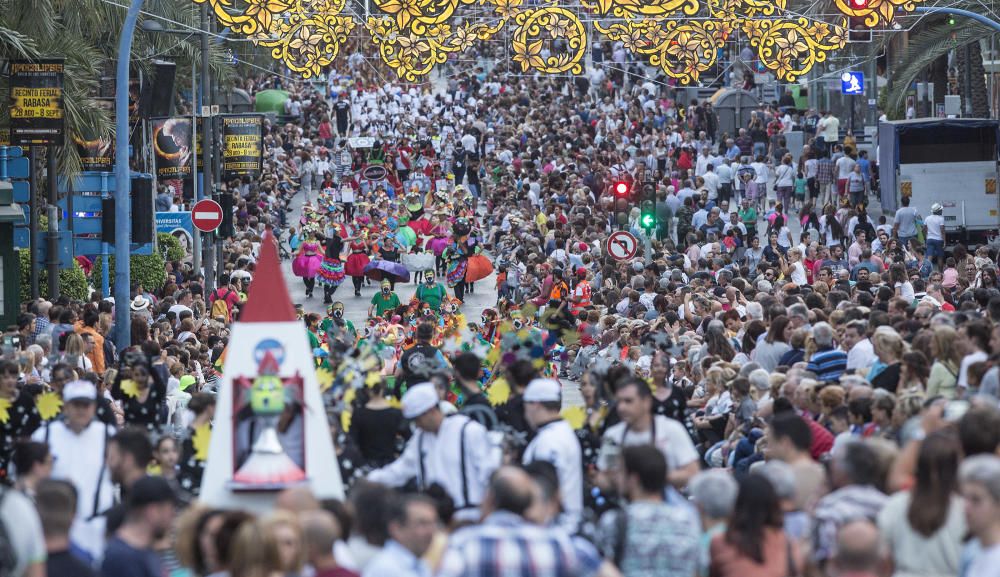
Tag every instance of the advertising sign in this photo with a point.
(242, 146)
(178, 225)
(36, 103)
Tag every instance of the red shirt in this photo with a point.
(822, 440)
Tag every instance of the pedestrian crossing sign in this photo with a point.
(852, 83)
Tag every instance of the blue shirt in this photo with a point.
(828, 364)
(122, 560)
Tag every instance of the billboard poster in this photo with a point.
(242, 146)
(172, 152)
(96, 154)
(177, 225)
(36, 102)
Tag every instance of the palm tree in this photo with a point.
(85, 33)
(928, 48)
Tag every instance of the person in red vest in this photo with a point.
(580, 301)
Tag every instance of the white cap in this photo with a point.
(74, 390)
(419, 399)
(542, 391)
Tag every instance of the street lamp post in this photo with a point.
(154, 27)
(123, 208)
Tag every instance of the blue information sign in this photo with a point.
(852, 83)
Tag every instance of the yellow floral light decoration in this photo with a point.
(681, 37)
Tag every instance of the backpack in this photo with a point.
(220, 307)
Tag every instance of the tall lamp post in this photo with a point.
(154, 27)
(123, 205)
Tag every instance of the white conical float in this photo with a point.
(271, 430)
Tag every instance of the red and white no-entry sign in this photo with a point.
(622, 245)
(206, 215)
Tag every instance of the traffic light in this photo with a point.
(622, 192)
(647, 207)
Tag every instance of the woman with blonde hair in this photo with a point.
(255, 552)
(947, 360)
(74, 354)
(287, 531)
(889, 348)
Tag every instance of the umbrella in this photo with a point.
(271, 101)
(387, 270)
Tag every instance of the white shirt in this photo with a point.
(396, 561)
(556, 443)
(935, 227)
(799, 274)
(79, 459)
(442, 462)
(967, 361)
(861, 355)
(845, 166)
(672, 440)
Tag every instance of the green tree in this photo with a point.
(72, 281)
(146, 270)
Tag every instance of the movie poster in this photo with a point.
(36, 102)
(97, 154)
(242, 146)
(172, 151)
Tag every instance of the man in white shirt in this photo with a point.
(452, 452)
(634, 403)
(860, 353)
(935, 234)
(556, 443)
(845, 166)
(78, 444)
(413, 522)
(711, 182)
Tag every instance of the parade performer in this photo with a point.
(386, 266)
(431, 292)
(308, 262)
(384, 301)
(440, 233)
(331, 273)
(336, 327)
(356, 263)
(457, 257)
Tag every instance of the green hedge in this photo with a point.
(72, 281)
(170, 247)
(147, 270)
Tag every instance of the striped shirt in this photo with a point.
(828, 364)
(504, 544)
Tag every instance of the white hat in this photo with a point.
(419, 399)
(936, 208)
(542, 391)
(74, 390)
(139, 303)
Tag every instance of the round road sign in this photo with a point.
(374, 172)
(206, 215)
(622, 245)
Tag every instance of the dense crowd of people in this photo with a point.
(790, 383)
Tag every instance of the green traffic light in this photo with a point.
(647, 221)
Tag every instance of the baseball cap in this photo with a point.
(150, 491)
(542, 391)
(186, 382)
(419, 399)
(79, 390)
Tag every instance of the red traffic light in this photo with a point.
(621, 189)
(859, 4)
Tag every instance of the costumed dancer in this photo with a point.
(457, 257)
(331, 273)
(387, 261)
(440, 232)
(357, 261)
(307, 264)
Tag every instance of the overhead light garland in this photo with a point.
(683, 38)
